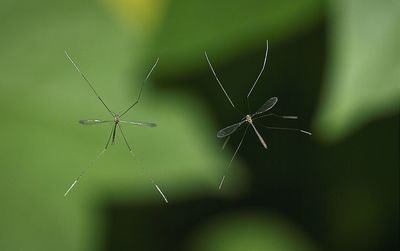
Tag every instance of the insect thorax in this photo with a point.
(116, 118)
(248, 119)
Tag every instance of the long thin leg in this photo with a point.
(275, 115)
(123, 136)
(141, 88)
(258, 77)
(141, 167)
(88, 82)
(215, 75)
(233, 157)
(92, 164)
(225, 142)
(259, 136)
(289, 129)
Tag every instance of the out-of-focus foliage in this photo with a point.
(140, 15)
(250, 230)
(115, 42)
(228, 27)
(363, 77)
(44, 148)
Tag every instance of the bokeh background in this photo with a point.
(335, 64)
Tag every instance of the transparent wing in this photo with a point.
(228, 130)
(267, 105)
(146, 124)
(93, 121)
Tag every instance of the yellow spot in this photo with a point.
(142, 15)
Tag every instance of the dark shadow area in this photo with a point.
(315, 186)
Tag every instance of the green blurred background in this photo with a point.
(335, 64)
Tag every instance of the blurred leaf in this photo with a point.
(363, 81)
(250, 231)
(228, 27)
(356, 215)
(44, 148)
(140, 15)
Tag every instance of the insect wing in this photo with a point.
(267, 105)
(228, 130)
(93, 121)
(145, 124)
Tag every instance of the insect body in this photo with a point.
(225, 132)
(250, 118)
(116, 122)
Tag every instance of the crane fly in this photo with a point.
(116, 121)
(249, 119)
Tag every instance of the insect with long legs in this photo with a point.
(249, 119)
(116, 121)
